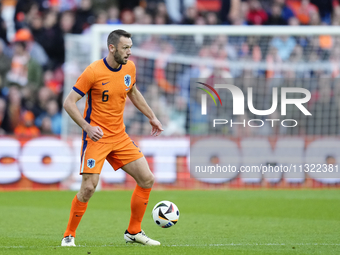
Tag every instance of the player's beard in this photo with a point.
(118, 58)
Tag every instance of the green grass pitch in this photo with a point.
(211, 222)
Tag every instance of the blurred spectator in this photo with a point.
(36, 27)
(84, 16)
(5, 64)
(284, 45)
(67, 22)
(190, 16)
(256, 14)
(46, 126)
(14, 107)
(101, 17)
(28, 98)
(3, 28)
(53, 81)
(52, 112)
(161, 16)
(336, 16)
(113, 16)
(314, 19)
(53, 41)
(24, 70)
(19, 71)
(302, 10)
(230, 11)
(286, 13)
(160, 19)
(275, 16)
(335, 68)
(138, 13)
(198, 70)
(147, 19)
(139, 124)
(27, 128)
(158, 103)
(161, 10)
(241, 18)
(229, 48)
(35, 50)
(211, 18)
(4, 121)
(24, 12)
(48, 34)
(127, 17)
(325, 8)
(44, 95)
(297, 54)
(177, 9)
(293, 21)
(162, 67)
(200, 21)
(177, 117)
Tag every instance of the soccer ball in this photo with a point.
(165, 214)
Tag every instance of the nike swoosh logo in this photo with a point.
(105, 83)
(133, 239)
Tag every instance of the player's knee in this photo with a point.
(148, 181)
(87, 192)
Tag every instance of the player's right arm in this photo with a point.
(95, 133)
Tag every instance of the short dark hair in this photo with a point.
(329, 157)
(115, 35)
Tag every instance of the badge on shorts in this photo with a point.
(91, 163)
(127, 80)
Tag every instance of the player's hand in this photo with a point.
(156, 127)
(95, 133)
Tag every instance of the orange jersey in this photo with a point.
(106, 90)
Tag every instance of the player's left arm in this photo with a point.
(139, 101)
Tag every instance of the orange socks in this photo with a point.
(77, 211)
(139, 202)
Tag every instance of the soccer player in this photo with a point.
(107, 82)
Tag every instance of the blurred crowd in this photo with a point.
(32, 49)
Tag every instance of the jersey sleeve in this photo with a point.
(84, 82)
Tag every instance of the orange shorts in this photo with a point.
(93, 155)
